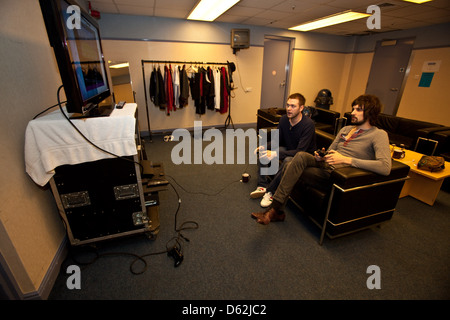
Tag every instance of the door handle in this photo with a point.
(394, 89)
(283, 83)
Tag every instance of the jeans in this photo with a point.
(264, 180)
(273, 185)
(293, 171)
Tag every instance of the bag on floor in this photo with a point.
(431, 163)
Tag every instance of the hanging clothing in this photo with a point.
(217, 76)
(176, 87)
(157, 92)
(168, 82)
(196, 83)
(195, 88)
(224, 90)
(184, 88)
(208, 89)
(153, 87)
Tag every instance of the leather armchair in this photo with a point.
(352, 200)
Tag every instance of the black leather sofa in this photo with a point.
(353, 199)
(324, 119)
(443, 139)
(406, 131)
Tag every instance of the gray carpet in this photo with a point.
(231, 257)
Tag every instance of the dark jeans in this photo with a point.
(293, 171)
(273, 185)
(264, 180)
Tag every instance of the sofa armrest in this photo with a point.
(427, 132)
(350, 177)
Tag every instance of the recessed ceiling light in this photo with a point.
(120, 65)
(209, 10)
(417, 1)
(330, 20)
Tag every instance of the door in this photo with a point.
(276, 68)
(389, 72)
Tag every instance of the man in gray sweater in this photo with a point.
(361, 145)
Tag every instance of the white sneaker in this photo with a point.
(266, 200)
(258, 193)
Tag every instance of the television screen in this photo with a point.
(240, 38)
(75, 38)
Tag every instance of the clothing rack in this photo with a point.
(144, 62)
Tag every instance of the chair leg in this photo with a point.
(324, 226)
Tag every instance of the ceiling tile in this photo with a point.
(395, 14)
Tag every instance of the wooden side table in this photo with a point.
(422, 185)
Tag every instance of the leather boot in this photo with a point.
(268, 216)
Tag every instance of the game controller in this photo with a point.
(176, 255)
(322, 153)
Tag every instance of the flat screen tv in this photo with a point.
(75, 38)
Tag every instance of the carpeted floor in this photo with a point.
(231, 257)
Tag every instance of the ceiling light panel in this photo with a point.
(209, 10)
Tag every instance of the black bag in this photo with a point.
(431, 163)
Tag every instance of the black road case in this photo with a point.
(101, 199)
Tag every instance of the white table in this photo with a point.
(51, 141)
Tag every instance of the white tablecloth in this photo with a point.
(51, 141)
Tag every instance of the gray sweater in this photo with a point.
(370, 150)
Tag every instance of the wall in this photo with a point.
(428, 104)
(31, 233)
(359, 70)
(243, 105)
(30, 229)
(136, 38)
(315, 70)
(430, 43)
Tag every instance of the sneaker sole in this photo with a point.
(256, 195)
(265, 205)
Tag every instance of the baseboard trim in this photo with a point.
(247, 125)
(52, 273)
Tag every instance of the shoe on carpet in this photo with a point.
(270, 215)
(258, 193)
(266, 200)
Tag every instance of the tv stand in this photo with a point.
(95, 111)
(99, 197)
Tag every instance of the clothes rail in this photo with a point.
(144, 62)
(184, 62)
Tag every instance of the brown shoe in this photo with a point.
(268, 216)
(257, 215)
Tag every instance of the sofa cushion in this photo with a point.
(387, 122)
(324, 127)
(399, 139)
(409, 127)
